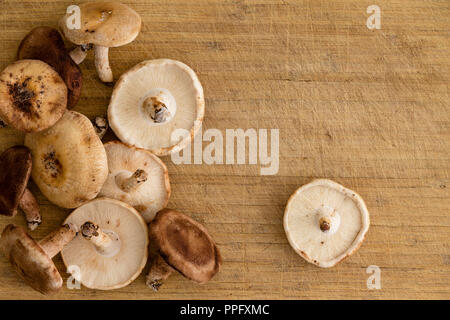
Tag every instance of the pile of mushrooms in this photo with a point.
(116, 188)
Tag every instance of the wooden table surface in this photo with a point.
(366, 108)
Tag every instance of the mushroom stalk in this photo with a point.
(79, 53)
(55, 241)
(158, 273)
(130, 183)
(30, 207)
(101, 61)
(102, 242)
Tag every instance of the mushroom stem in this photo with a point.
(102, 242)
(101, 61)
(158, 273)
(30, 207)
(55, 241)
(130, 183)
(79, 53)
(156, 107)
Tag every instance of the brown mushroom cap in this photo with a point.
(15, 164)
(185, 245)
(107, 24)
(46, 44)
(30, 260)
(32, 95)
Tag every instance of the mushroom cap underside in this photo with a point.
(185, 245)
(148, 198)
(107, 24)
(29, 260)
(131, 123)
(113, 217)
(69, 161)
(342, 208)
(32, 95)
(15, 164)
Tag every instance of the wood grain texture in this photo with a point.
(366, 108)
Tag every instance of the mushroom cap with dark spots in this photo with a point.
(33, 96)
(15, 164)
(185, 245)
(46, 44)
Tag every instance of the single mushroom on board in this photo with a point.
(137, 177)
(181, 244)
(33, 259)
(15, 164)
(69, 161)
(46, 44)
(154, 100)
(112, 246)
(103, 25)
(32, 95)
(325, 222)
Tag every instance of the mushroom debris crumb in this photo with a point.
(104, 25)
(157, 105)
(112, 246)
(33, 259)
(179, 243)
(325, 222)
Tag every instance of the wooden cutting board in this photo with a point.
(366, 108)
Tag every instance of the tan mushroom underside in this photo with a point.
(147, 198)
(126, 117)
(69, 161)
(302, 222)
(104, 272)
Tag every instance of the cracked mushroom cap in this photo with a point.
(107, 24)
(147, 193)
(120, 221)
(154, 99)
(32, 95)
(30, 260)
(15, 164)
(325, 222)
(185, 245)
(46, 44)
(69, 161)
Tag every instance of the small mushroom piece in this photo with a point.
(154, 99)
(15, 164)
(33, 260)
(46, 44)
(181, 244)
(325, 222)
(112, 246)
(137, 177)
(101, 126)
(32, 95)
(69, 161)
(104, 25)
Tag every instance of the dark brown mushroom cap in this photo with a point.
(185, 245)
(33, 96)
(46, 44)
(15, 164)
(29, 260)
